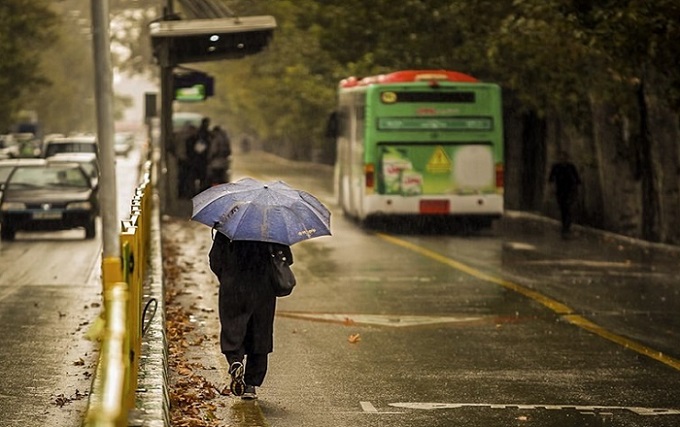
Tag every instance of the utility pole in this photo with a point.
(168, 169)
(111, 263)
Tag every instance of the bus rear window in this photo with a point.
(391, 97)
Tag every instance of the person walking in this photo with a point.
(566, 180)
(247, 303)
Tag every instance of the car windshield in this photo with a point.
(4, 172)
(47, 177)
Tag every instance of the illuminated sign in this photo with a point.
(435, 123)
(190, 94)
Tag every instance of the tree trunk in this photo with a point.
(619, 188)
(533, 175)
(663, 132)
(649, 171)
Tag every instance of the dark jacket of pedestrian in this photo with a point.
(565, 177)
(198, 147)
(218, 157)
(246, 301)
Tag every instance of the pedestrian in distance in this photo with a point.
(218, 158)
(198, 147)
(565, 178)
(247, 302)
(179, 148)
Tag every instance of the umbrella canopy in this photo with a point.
(249, 209)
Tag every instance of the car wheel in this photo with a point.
(90, 231)
(7, 233)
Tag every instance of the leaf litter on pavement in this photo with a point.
(194, 400)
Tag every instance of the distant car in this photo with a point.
(70, 144)
(8, 165)
(123, 142)
(52, 196)
(9, 148)
(88, 161)
(19, 145)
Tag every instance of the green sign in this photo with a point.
(194, 93)
(435, 123)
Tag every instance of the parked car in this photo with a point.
(88, 161)
(123, 142)
(70, 144)
(52, 196)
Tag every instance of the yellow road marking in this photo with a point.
(554, 305)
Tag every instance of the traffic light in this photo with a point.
(201, 40)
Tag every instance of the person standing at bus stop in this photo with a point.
(198, 147)
(218, 158)
(566, 180)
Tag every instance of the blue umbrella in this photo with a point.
(249, 209)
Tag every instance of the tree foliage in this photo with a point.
(26, 31)
(557, 61)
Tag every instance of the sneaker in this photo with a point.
(237, 386)
(249, 393)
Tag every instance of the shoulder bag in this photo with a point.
(283, 279)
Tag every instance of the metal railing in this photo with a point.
(120, 325)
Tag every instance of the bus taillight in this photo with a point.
(500, 177)
(369, 173)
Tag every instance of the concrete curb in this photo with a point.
(152, 398)
(554, 223)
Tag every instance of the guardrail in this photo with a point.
(120, 326)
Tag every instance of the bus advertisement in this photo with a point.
(419, 142)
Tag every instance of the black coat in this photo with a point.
(246, 299)
(566, 179)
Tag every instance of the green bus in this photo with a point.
(419, 142)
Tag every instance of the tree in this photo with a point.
(26, 32)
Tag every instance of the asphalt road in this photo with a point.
(403, 325)
(50, 292)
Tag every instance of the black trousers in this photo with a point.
(256, 366)
(565, 204)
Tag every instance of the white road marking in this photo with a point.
(428, 406)
(520, 246)
(584, 262)
(397, 321)
(368, 407)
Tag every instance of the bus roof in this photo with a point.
(408, 76)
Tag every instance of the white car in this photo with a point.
(123, 142)
(71, 144)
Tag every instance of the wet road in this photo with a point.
(49, 294)
(509, 326)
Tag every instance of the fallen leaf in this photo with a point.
(354, 338)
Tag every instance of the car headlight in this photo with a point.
(85, 206)
(13, 206)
